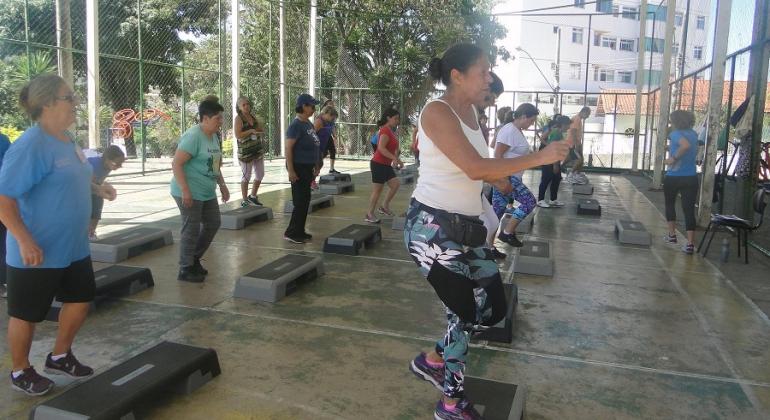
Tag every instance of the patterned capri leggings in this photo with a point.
(466, 280)
(520, 193)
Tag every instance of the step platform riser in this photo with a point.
(278, 279)
(129, 243)
(317, 202)
(351, 239)
(238, 219)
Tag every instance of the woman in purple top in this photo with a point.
(324, 128)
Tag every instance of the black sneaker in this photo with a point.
(67, 365)
(294, 240)
(253, 200)
(334, 171)
(307, 236)
(31, 383)
(198, 268)
(498, 255)
(510, 239)
(189, 274)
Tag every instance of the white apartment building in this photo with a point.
(611, 42)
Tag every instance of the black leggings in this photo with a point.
(331, 148)
(3, 232)
(687, 186)
(548, 178)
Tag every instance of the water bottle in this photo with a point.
(725, 254)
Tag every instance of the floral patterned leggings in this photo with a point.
(467, 281)
(520, 193)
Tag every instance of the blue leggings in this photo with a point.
(467, 281)
(521, 194)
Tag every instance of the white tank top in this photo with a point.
(442, 185)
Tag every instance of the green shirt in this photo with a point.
(555, 136)
(202, 170)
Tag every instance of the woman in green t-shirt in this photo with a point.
(551, 173)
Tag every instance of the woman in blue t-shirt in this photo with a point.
(302, 157)
(47, 256)
(681, 176)
(5, 143)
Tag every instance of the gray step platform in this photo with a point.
(123, 391)
(236, 219)
(351, 239)
(129, 243)
(631, 232)
(496, 400)
(502, 332)
(406, 178)
(585, 189)
(273, 281)
(113, 281)
(325, 179)
(589, 207)
(317, 202)
(398, 223)
(524, 227)
(338, 187)
(534, 258)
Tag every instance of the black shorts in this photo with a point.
(97, 204)
(31, 290)
(381, 173)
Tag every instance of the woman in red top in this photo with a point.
(384, 160)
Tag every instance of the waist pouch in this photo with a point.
(465, 230)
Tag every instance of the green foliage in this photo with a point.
(12, 132)
(24, 69)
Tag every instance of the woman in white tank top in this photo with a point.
(441, 232)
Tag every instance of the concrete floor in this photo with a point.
(617, 332)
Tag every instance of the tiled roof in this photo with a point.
(624, 101)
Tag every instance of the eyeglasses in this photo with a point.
(71, 98)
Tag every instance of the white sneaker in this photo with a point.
(93, 238)
(556, 203)
(544, 204)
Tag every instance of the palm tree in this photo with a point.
(25, 69)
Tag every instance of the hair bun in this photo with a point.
(435, 68)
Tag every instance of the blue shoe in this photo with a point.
(420, 367)
(462, 411)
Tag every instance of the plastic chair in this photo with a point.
(741, 226)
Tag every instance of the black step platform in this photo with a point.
(122, 390)
(589, 207)
(350, 240)
(496, 400)
(502, 332)
(325, 179)
(113, 281)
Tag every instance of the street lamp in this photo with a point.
(555, 89)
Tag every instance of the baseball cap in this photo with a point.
(306, 99)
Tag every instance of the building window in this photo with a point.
(697, 53)
(653, 44)
(604, 6)
(626, 45)
(630, 12)
(652, 77)
(608, 42)
(601, 75)
(700, 22)
(678, 19)
(580, 3)
(675, 48)
(659, 13)
(576, 71)
(577, 35)
(625, 76)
